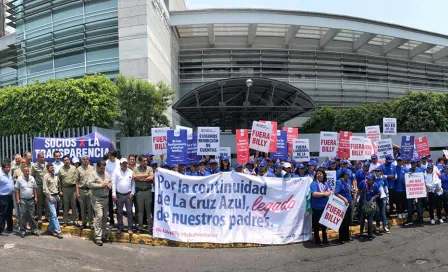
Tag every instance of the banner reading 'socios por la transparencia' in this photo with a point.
(231, 208)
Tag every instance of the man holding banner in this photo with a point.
(343, 191)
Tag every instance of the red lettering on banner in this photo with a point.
(327, 142)
(260, 134)
(259, 205)
(159, 139)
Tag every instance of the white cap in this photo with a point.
(287, 165)
(75, 160)
(123, 160)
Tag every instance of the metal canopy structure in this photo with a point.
(230, 104)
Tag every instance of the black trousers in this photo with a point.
(111, 209)
(344, 229)
(435, 202)
(317, 214)
(6, 206)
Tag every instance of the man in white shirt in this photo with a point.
(57, 162)
(112, 164)
(123, 190)
(374, 163)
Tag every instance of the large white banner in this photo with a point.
(231, 208)
(334, 213)
(389, 126)
(208, 140)
(385, 148)
(301, 150)
(260, 137)
(328, 144)
(159, 142)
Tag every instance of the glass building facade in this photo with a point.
(60, 39)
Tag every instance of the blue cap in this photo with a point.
(312, 163)
(300, 166)
(154, 164)
(346, 171)
(149, 155)
(165, 164)
(325, 165)
(238, 165)
(374, 156)
(277, 165)
(259, 158)
(366, 164)
(337, 158)
(332, 162)
(225, 158)
(250, 162)
(414, 160)
(291, 160)
(344, 161)
(172, 166)
(430, 159)
(263, 164)
(389, 158)
(370, 176)
(213, 161)
(315, 159)
(399, 158)
(430, 166)
(418, 159)
(379, 169)
(268, 159)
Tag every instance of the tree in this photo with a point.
(142, 105)
(322, 120)
(58, 104)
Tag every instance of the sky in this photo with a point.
(429, 15)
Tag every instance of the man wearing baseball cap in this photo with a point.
(373, 163)
(123, 190)
(277, 171)
(213, 167)
(419, 201)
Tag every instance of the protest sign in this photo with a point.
(415, 185)
(188, 129)
(260, 137)
(93, 145)
(177, 150)
(242, 209)
(242, 146)
(158, 137)
(273, 144)
(334, 213)
(282, 146)
(389, 126)
(208, 140)
(291, 134)
(373, 133)
(445, 152)
(331, 178)
(422, 146)
(407, 147)
(301, 150)
(384, 148)
(192, 149)
(360, 148)
(225, 151)
(344, 144)
(328, 143)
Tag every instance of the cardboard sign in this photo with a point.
(291, 134)
(158, 136)
(328, 144)
(344, 144)
(385, 148)
(445, 152)
(334, 213)
(331, 178)
(360, 148)
(177, 150)
(415, 185)
(389, 126)
(208, 140)
(282, 146)
(273, 144)
(225, 151)
(407, 147)
(242, 146)
(373, 133)
(422, 146)
(301, 150)
(260, 137)
(192, 149)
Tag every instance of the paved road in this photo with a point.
(415, 249)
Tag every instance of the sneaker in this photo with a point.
(441, 221)
(22, 235)
(386, 230)
(433, 222)
(400, 216)
(377, 231)
(370, 237)
(4, 234)
(99, 242)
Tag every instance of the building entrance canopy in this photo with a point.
(235, 103)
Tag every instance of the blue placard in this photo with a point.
(93, 145)
(407, 147)
(282, 147)
(192, 149)
(176, 147)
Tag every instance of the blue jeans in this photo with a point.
(380, 212)
(369, 224)
(53, 226)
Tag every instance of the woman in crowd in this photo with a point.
(263, 169)
(225, 164)
(400, 188)
(249, 168)
(381, 202)
(342, 190)
(434, 189)
(320, 191)
(368, 193)
(300, 171)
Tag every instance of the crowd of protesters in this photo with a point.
(36, 192)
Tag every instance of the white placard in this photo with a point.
(415, 185)
(188, 129)
(260, 137)
(334, 213)
(224, 151)
(385, 147)
(373, 133)
(208, 140)
(331, 178)
(360, 148)
(328, 144)
(445, 152)
(301, 150)
(159, 142)
(389, 126)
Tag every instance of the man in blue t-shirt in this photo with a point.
(390, 174)
(343, 191)
(419, 201)
(400, 188)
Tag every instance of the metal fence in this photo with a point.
(21, 143)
